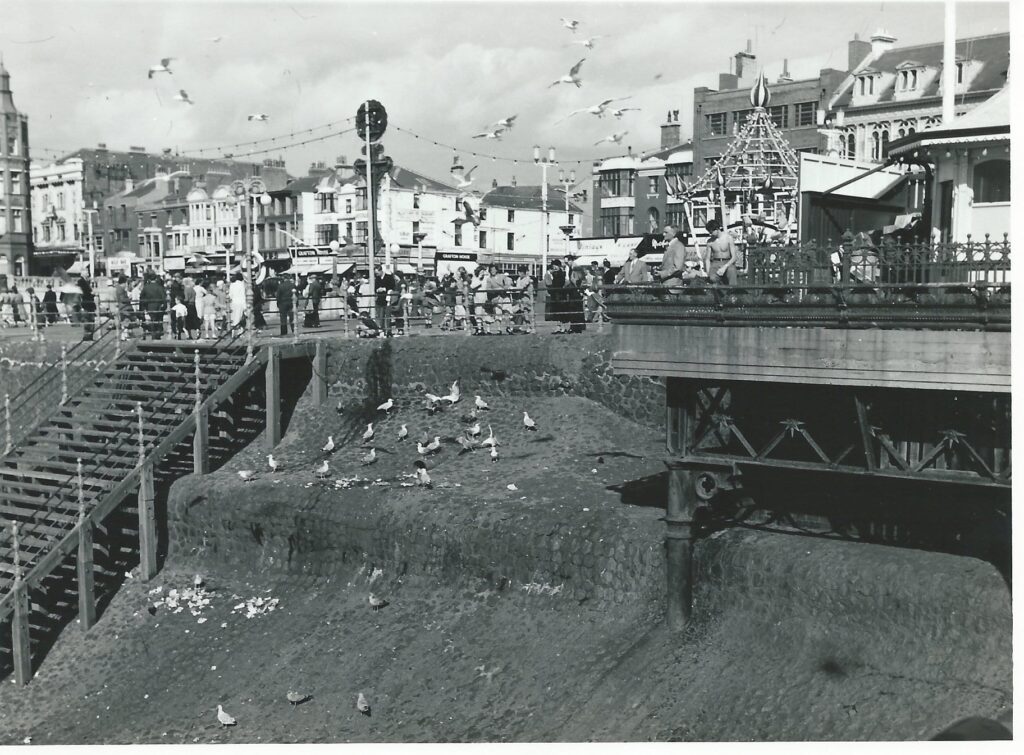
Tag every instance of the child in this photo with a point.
(180, 312)
(460, 318)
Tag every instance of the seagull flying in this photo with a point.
(403, 433)
(361, 704)
(215, 40)
(598, 109)
(468, 217)
(164, 67)
(433, 399)
(570, 24)
(329, 445)
(323, 470)
(464, 181)
(573, 77)
(616, 138)
(182, 96)
(258, 117)
(225, 718)
(272, 462)
(370, 458)
(617, 112)
(387, 406)
(246, 475)
(490, 440)
(506, 122)
(528, 422)
(480, 404)
(368, 435)
(588, 43)
(494, 134)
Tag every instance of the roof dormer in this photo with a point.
(966, 70)
(868, 84)
(912, 79)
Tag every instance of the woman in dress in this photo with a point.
(236, 296)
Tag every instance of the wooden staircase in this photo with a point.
(66, 475)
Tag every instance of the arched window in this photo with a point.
(992, 181)
(885, 145)
(876, 145)
(851, 145)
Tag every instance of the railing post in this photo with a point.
(20, 622)
(118, 334)
(63, 374)
(320, 373)
(142, 438)
(86, 576)
(273, 397)
(201, 439)
(8, 438)
(198, 380)
(295, 315)
(147, 523)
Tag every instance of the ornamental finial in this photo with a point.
(759, 94)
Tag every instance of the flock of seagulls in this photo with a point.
(164, 66)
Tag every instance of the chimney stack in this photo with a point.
(785, 77)
(857, 50)
(513, 181)
(745, 67)
(494, 183)
(881, 42)
(670, 129)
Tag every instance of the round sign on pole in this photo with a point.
(378, 120)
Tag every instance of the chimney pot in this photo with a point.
(494, 183)
(513, 180)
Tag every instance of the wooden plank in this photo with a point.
(6, 473)
(147, 523)
(86, 576)
(201, 443)
(273, 393)
(947, 360)
(20, 635)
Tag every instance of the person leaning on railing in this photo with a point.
(722, 255)
(523, 308)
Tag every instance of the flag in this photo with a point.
(719, 178)
(670, 190)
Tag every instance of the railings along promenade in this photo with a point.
(933, 286)
(43, 535)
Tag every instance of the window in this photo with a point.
(740, 116)
(913, 79)
(779, 116)
(348, 206)
(415, 228)
(348, 230)
(152, 220)
(715, 124)
(572, 219)
(510, 240)
(992, 181)
(851, 145)
(325, 202)
(804, 113)
(97, 243)
(61, 231)
(652, 185)
(959, 73)
(415, 201)
(458, 235)
(876, 146)
(17, 221)
(885, 145)
(616, 183)
(616, 221)
(46, 231)
(483, 239)
(325, 234)
(60, 200)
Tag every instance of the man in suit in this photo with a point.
(673, 262)
(314, 292)
(286, 303)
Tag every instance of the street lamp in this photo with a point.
(567, 182)
(250, 193)
(544, 164)
(89, 242)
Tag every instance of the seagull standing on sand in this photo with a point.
(480, 404)
(490, 440)
(377, 603)
(368, 435)
(528, 422)
(474, 430)
(246, 475)
(329, 445)
(386, 406)
(421, 449)
(164, 67)
(296, 697)
(494, 453)
(198, 581)
(435, 444)
(573, 77)
(272, 462)
(422, 478)
(403, 433)
(370, 458)
(362, 705)
(225, 718)
(323, 470)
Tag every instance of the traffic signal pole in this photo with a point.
(369, 203)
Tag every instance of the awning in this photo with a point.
(77, 268)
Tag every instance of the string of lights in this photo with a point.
(283, 147)
(499, 158)
(222, 148)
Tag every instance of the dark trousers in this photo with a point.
(314, 313)
(287, 318)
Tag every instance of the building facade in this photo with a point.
(15, 207)
(893, 92)
(59, 230)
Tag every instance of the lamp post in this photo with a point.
(544, 164)
(89, 243)
(250, 193)
(567, 181)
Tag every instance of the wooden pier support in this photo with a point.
(86, 576)
(320, 374)
(19, 634)
(682, 503)
(147, 523)
(273, 378)
(201, 443)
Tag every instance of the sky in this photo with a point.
(443, 70)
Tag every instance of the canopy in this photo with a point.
(77, 268)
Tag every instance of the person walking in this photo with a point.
(286, 303)
(206, 311)
(192, 322)
(123, 304)
(236, 297)
(153, 302)
(50, 305)
(315, 293)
